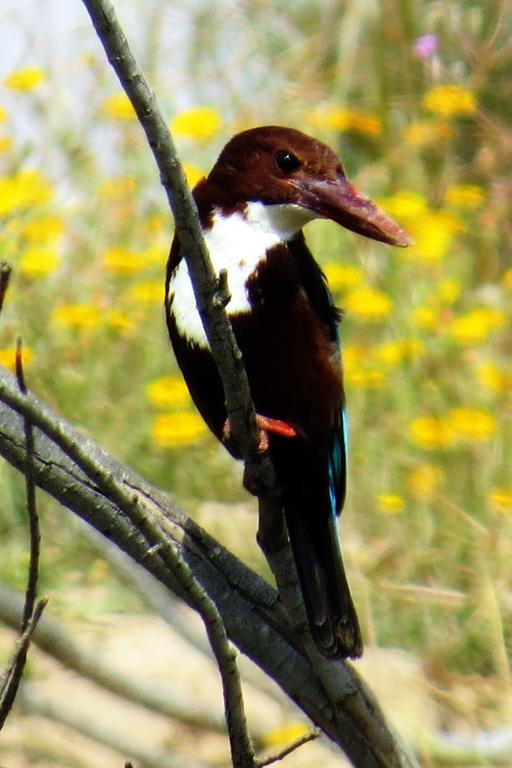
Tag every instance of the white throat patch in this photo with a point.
(236, 243)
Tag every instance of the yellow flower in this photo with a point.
(420, 133)
(200, 123)
(118, 107)
(174, 430)
(168, 392)
(507, 280)
(284, 735)
(341, 119)
(3, 114)
(370, 379)
(355, 355)
(43, 230)
(493, 377)
(426, 318)
(8, 357)
(366, 124)
(430, 433)
(390, 503)
(368, 305)
(405, 205)
(26, 79)
(357, 368)
(32, 188)
(433, 233)
(155, 224)
(424, 480)
(121, 261)
(23, 190)
(156, 254)
(341, 277)
(37, 262)
(5, 144)
(447, 292)
(119, 321)
(77, 316)
(475, 326)
(117, 188)
(471, 424)
(466, 196)
(193, 174)
(146, 292)
(450, 100)
(501, 499)
(392, 353)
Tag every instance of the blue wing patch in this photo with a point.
(338, 465)
(317, 290)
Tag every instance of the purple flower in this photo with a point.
(425, 46)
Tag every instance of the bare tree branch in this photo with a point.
(242, 752)
(210, 296)
(173, 611)
(160, 545)
(251, 612)
(210, 292)
(12, 675)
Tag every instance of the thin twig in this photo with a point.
(5, 276)
(10, 676)
(30, 492)
(31, 611)
(311, 736)
(242, 752)
(174, 613)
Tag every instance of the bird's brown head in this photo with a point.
(282, 166)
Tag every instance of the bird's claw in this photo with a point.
(275, 427)
(265, 426)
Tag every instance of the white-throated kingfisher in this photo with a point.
(267, 183)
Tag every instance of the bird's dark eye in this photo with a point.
(287, 162)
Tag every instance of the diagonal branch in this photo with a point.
(250, 611)
(210, 293)
(209, 290)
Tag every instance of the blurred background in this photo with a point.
(416, 97)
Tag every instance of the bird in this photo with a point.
(266, 185)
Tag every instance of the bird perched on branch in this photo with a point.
(267, 184)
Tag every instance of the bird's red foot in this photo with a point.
(274, 426)
(266, 426)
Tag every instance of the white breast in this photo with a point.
(236, 243)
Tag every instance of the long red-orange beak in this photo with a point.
(340, 201)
